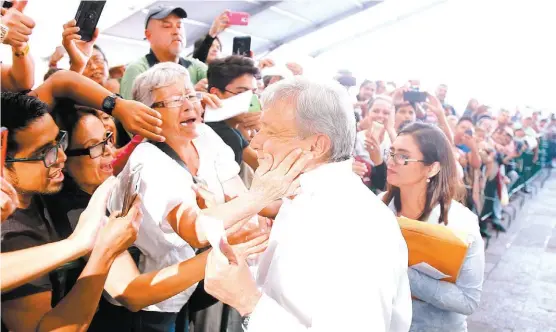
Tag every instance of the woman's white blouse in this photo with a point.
(165, 185)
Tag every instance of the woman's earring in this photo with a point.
(428, 180)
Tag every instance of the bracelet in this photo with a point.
(23, 53)
(3, 32)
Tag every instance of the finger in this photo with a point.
(135, 209)
(95, 36)
(149, 135)
(10, 191)
(294, 189)
(228, 251)
(22, 29)
(72, 37)
(27, 21)
(19, 38)
(288, 162)
(20, 5)
(151, 116)
(256, 245)
(209, 102)
(265, 164)
(299, 166)
(216, 100)
(3, 11)
(70, 31)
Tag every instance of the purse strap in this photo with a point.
(167, 149)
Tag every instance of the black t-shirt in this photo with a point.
(232, 137)
(27, 228)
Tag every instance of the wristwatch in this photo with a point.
(109, 103)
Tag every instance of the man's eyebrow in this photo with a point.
(402, 150)
(39, 149)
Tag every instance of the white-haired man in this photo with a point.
(336, 260)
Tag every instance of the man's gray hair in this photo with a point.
(320, 108)
(158, 76)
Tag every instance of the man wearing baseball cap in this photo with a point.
(165, 32)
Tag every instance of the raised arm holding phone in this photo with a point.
(16, 28)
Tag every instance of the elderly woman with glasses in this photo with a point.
(192, 154)
(423, 185)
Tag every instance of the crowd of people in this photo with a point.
(315, 172)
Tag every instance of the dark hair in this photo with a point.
(67, 115)
(365, 82)
(223, 71)
(465, 118)
(96, 47)
(444, 186)
(197, 47)
(50, 72)
(18, 112)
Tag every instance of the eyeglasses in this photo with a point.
(401, 159)
(178, 101)
(94, 151)
(50, 156)
(237, 93)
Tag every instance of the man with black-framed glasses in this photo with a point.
(32, 245)
(228, 77)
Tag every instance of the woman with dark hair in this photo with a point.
(423, 185)
(209, 48)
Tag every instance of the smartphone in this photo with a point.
(87, 17)
(132, 182)
(4, 142)
(376, 129)
(242, 46)
(7, 4)
(347, 81)
(255, 105)
(238, 18)
(415, 96)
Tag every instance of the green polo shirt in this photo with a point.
(197, 71)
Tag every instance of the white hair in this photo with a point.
(320, 108)
(158, 76)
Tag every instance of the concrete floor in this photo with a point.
(519, 292)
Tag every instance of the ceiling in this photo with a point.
(271, 23)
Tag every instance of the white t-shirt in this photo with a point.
(165, 185)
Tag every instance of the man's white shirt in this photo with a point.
(336, 261)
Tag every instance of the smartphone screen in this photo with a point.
(87, 17)
(131, 190)
(238, 18)
(4, 140)
(255, 105)
(242, 46)
(415, 96)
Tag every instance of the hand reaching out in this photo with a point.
(221, 23)
(79, 51)
(8, 199)
(91, 220)
(20, 26)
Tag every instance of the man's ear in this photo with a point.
(147, 34)
(321, 147)
(216, 92)
(434, 169)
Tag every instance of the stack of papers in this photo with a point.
(230, 108)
